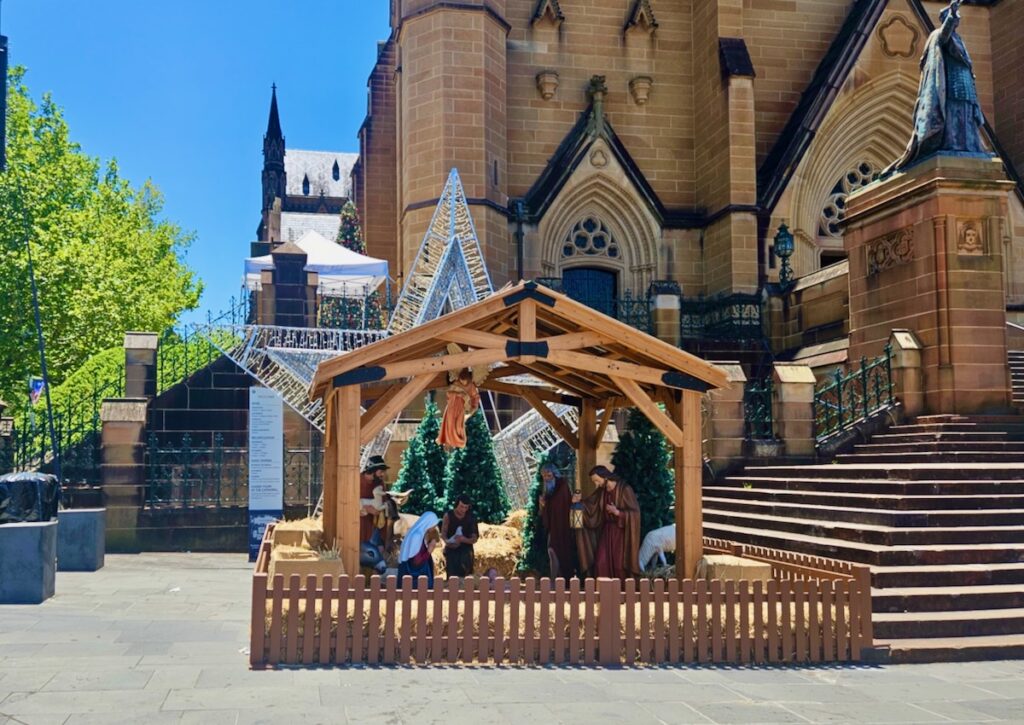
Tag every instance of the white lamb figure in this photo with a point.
(658, 542)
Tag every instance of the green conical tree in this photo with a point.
(643, 459)
(413, 475)
(474, 471)
(436, 458)
(350, 232)
(423, 464)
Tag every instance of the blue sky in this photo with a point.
(178, 92)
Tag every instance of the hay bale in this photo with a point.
(307, 532)
(517, 520)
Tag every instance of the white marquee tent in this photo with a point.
(343, 273)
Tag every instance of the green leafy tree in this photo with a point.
(474, 471)
(643, 459)
(348, 312)
(104, 260)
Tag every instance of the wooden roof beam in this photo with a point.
(650, 409)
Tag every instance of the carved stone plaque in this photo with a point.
(970, 238)
(891, 250)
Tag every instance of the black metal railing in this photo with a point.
(737, 316)
(757, 409)
(635, 311)
(217, 476)
(853, 396)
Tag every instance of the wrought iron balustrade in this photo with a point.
(733, 317)
(217, 476)
(757, 408)
(853, 396)
(635, 311)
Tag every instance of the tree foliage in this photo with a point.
(104, 261)
(352, 313)
(643, 459)
(421, 470)
(474, 471)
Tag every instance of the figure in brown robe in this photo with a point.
(609, 543)
(555, 500)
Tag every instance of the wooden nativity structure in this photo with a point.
(543, 347)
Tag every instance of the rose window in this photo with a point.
(834, 211)
(590, 237)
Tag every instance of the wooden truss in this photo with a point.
(582, 357)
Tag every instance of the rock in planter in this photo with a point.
(81, 539)
(28, 562)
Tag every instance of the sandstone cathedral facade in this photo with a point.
(620, 143)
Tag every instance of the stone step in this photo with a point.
(952, 437)
(868, 485)
(948, 456)
(948, 575)
(958, 598)
(956, 428)
(954, 649)
(870, 533)
(876, 501)
(878, 517)
(943, 447)
(968, 623)
(894, 473)
(861, 552)
(957, 418)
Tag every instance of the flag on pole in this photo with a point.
(35, 389)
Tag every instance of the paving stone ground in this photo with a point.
(161, 638)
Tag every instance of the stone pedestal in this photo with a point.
(140, 364)
(81, 539)
(907, 376)
(926, 255)
(727, 419)
(793, 388)
(28, 562)
(665, 310)
(123, 469)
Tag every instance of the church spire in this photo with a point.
(273, 156)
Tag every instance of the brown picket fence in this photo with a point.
(815, 610)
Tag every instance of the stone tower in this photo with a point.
(274, 179)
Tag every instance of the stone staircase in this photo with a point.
(936, 508)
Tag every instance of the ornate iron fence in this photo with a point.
(217, 476)
(757, 408)
(850, 397)
(733, 317)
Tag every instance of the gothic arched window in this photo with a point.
(834, 211)
(336, 171)
(590, 238)
(305, 185)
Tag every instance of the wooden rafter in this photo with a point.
(650, 409)
(606, 417)
(639, 373)
(380, 415)
(473, 338)
(548, 415)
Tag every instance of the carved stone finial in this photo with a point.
(548, 11)
(547, 84)
(597, 89)
(641, 17)
(640, 89)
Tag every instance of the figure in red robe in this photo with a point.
(463, 401)
(609, 543)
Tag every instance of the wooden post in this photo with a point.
(688, 463)
(330, 486)
(586, 456)
(608, 637)
(346, 433)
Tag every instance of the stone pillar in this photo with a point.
(727, 419)
(664, 296)
(907, 375)
(140, 364)
(793, 408)
(926, 255)
(122, 469)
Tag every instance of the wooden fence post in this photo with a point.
(608, 625)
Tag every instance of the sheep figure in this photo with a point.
(658, 542)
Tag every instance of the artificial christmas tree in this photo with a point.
(436, 458)
(474, 471)
(423, 463)
(643, 460)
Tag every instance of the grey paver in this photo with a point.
(161, 638)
